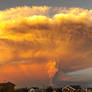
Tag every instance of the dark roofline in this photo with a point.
(7, 84)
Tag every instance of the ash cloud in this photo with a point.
(34, 35)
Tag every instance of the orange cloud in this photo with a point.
(23, 72)
(37, 35)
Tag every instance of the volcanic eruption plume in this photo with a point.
(52, 69)
(30, 37)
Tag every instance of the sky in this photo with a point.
(59, 3)
(43, 40)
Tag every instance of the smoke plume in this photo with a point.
(51, 66)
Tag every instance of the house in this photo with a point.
(7, 87)
(73, 88)
(68, 89)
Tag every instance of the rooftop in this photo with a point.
(7, 84)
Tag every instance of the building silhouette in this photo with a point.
(7, 87)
